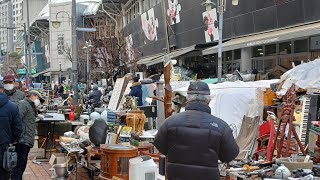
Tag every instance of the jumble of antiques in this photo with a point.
(275, 123)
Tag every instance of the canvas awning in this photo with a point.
(267, 38)
(149, 58)
(39, 73)
(46, 72)
(160, 58)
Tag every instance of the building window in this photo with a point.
(264, 65)
(257, 51)
(237, 54)
(228, 56)
(285, 48)
(231, 61)
(271, 49)
(301, 46)
(132, 11)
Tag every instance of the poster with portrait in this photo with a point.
(211, 22)
(174, 11)
(149, 25)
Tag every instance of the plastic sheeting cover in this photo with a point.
(231, 101)
(232, 104)
(305, 76)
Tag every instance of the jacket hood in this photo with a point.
(3, 99)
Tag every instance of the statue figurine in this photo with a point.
(134, 103)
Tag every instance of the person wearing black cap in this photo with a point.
(14, 94)
(193, 141)
(28, 113)
(10, 127)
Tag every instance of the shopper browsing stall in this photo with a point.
(28, 113)
(194, 140)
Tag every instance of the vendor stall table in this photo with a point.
(49, 119)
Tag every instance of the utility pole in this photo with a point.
(74, 53)
(25, 53)
(10, 47)
(28, 42)
(221, 8)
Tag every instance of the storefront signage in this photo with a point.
(21, 71)
(264, 41)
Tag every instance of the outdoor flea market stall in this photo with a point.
(275, 124)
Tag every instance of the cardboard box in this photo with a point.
(58, 158)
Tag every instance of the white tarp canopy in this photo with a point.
(237, 84)
(231, 101)
(305, 76)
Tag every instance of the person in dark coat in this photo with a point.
(193, 141)
(136, 91)
(60, 89)
(95, 96)
(10, 127)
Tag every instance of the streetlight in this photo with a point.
(56, 24)
(87, 47)
(60, 80)
(221, 8)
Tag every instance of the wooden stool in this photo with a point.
(115, 161)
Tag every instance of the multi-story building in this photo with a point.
(17, 6)
(267, 35)
(52, 39)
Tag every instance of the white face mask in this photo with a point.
(8, 87)
(36, 102)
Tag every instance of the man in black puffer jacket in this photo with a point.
(10, 127)
(194, 140)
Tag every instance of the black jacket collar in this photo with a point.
(198, 106)
(10, 93)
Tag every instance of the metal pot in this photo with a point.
(60, 170)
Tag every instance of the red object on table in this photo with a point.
(71, 115)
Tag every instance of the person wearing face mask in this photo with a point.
(28, 113)
(10, 128)
(14, 94)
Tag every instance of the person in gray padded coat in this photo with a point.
(193, 141)
(28, 113)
